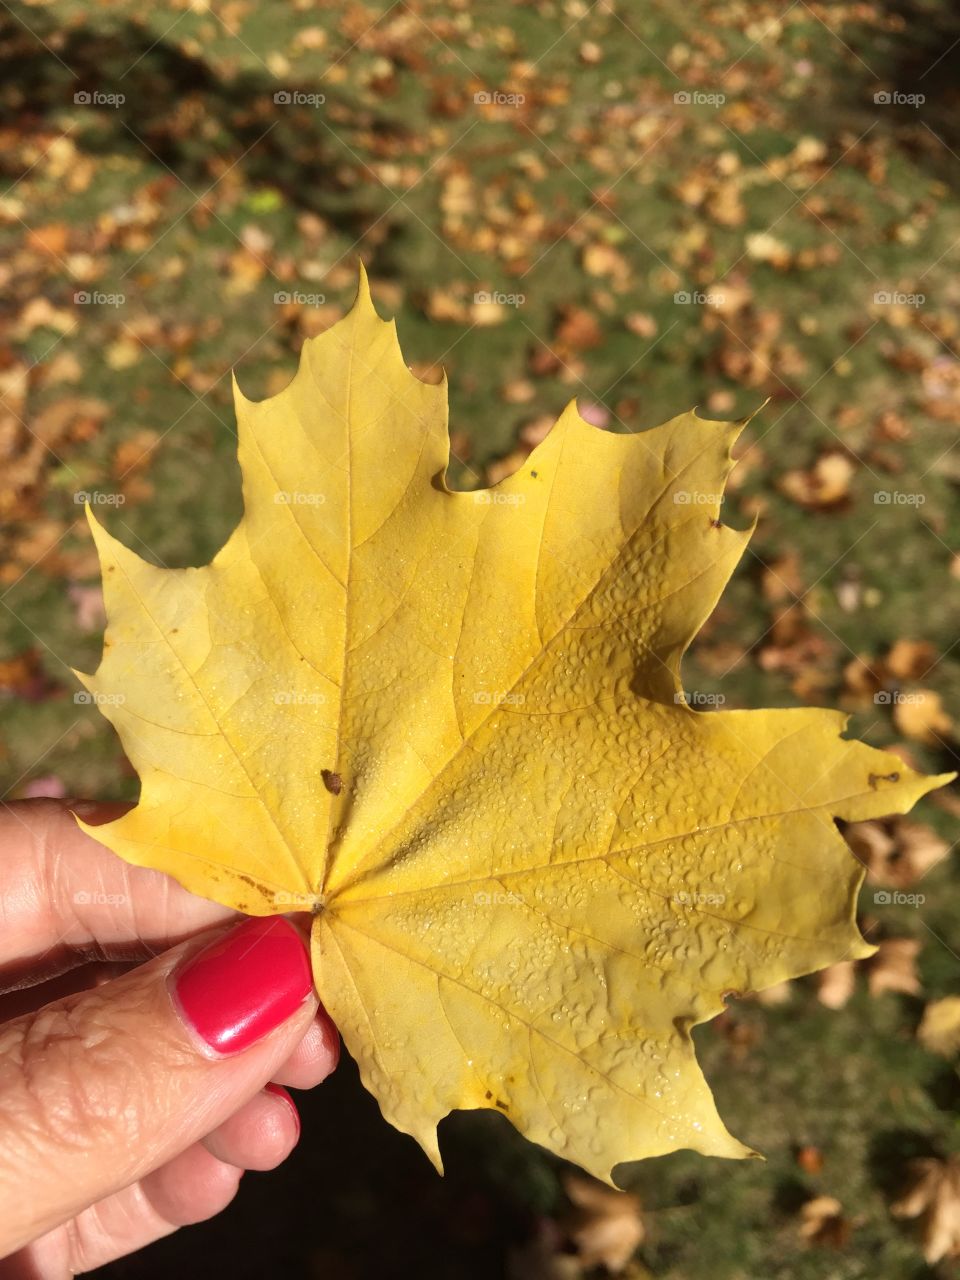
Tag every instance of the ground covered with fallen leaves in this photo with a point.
(644, 207)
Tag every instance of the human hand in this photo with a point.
(132, 1103)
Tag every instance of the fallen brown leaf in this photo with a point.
(836, 984)
(825, 485)
(939, 1029)
(894, 967)
(605, 1226)
(577, 329)
(896, 851)
(920, 715)
(822, 1222)
(933, 1197)
(810, 1159)
(910, 659)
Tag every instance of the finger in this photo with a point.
(261, 1134)
(27, 998)
(314, 1058)
(102, 1088)
(192, 1187)
(66, 898)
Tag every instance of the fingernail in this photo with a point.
(279, 1092)
(239, 988)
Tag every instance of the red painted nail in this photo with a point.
(239, 988)
(279, 1091)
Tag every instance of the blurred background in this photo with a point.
(646, 206)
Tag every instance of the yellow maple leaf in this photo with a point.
(452, 726)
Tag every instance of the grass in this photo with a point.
(152, 200)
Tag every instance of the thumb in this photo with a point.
(103, 1087)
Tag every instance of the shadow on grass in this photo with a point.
(926, 61)
(189, 115)
(358, 1199)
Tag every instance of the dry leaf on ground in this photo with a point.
(822, 1222)
(920, 715)
(604, 1226)
(933, 1197)
(939, 1029)
(836, 984)
(896, 852)
(894, 967)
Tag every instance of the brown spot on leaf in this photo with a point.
(332, 781)
(255, 886)
(875, 778)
